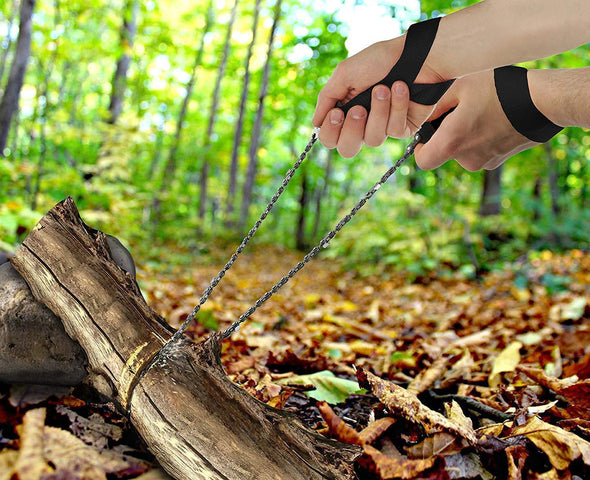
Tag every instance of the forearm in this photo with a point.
(494, 33)
(563, 96)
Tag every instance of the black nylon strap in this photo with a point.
(513, 92)
(419, 39)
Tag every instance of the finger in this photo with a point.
(443, 145)
(353, 129)
(397, 126)
(327, 99)
(376, 129)
(330, 131)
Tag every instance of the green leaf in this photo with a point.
(328, 387)
(207, 319)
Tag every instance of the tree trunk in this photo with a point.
(197, 423)
(233, 171)
(170, 167)
(491, 197)
(300, 241)
(44, 106)
(255, 138)
(10, 99)
(119, 82)
(321, 194)
(204, 178)
(553, 178)
(8, 42)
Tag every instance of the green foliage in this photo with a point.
(61, 145)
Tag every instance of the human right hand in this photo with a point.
(477, 133)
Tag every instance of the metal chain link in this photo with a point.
(205, 295)
(324, 242)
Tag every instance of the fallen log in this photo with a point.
(34, 347)
(197, 423)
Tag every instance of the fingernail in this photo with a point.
(336, 117)
(399, 89)
(358, 113)
(381, 93)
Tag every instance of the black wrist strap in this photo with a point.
(513, 92)
(419, 39)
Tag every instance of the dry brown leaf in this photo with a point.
(7, 460)
(337, 427)
(516, 457)
(154, 474)
(69, 453)
(94, 430)
(375, 429)
(406, 404)
(31, 463)
(426, 378)
(577, 394)
(560, 446)
(442, 443)
(388, 467)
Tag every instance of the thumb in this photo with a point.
(440, 147)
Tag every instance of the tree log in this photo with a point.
(34, 347)
(198, 424)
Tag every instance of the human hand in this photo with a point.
(477, 133)
(392, 113)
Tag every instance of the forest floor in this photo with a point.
(461, 379)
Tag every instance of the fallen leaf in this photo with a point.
(441, 443)
(375, 429)
(388, 467)
(426, 378)
(401, 402)
(337, 427)
(560, 446)
(31, 463)
(506, 361)
(22, 395)
(328, 387)
(573, 310)
(464, 467)
(94, 430)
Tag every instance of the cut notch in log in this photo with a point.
(198, 424)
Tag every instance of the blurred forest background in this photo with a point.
(172, 123)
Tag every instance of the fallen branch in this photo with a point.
(198, 424)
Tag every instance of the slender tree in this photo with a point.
(321, 193)
(171, 161)
(552, 178)
(10, 99)
(119, 82)
(43, 106)
(491, 198)
(233, 171)
(204, 178)
(255, 138)
(8, 42)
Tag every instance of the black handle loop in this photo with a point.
(428, 128)
(512, 87)
(419, 39)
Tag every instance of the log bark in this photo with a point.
(34, 347)
(198, 424)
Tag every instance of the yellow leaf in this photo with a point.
(346, 306)
(311, 300)
(561, 446)
(506, 361)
